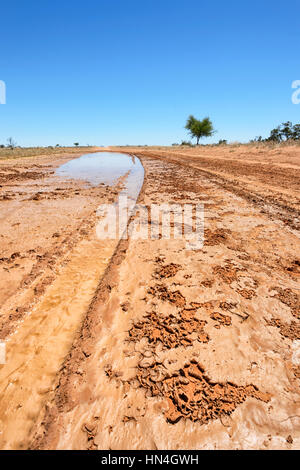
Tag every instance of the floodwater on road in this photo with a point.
(105, 168)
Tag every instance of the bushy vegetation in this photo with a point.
(283, 133)
(199, 129)
(188, 143)
(11, 143)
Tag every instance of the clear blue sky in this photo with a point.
(131, 71)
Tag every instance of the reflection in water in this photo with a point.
(107, 168)
(101, 167)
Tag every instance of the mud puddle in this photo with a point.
(101, 167)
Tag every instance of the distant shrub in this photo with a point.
(188, 143)
(11, 143)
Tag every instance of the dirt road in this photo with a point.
(178, 349)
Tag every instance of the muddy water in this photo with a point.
(102, 167)
(35, 352)
(107, 168)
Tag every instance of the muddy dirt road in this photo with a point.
(169, 348)
(51, 264)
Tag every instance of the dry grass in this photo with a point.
(19, 152)
(286, 153)
(230, 145)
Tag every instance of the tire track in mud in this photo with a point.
(37, 349)
(269, 205)
(38, 232)
(41, 275)
(71, 372)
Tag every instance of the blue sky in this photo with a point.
(130, 72)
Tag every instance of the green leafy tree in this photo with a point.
(275, 135)
(76, 144)
(199, 129)
(285, 132)
(296, 132)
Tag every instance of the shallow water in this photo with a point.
(107, 168)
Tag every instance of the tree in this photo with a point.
(76, 144)
(296, 132)
(11, 143)
(286, 131)
(275, 135)
(199, 129)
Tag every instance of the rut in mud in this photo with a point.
(55, 293)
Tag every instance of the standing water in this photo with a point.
(106, 168)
